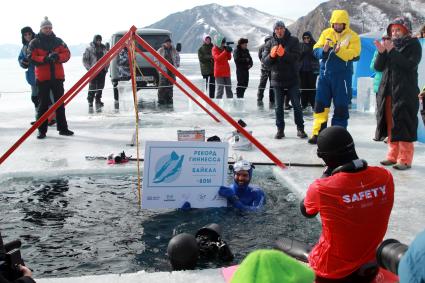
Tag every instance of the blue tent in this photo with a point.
(362, 68)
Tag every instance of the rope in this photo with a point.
(132, 52)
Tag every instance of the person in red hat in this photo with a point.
(397, 99)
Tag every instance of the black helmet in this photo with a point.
(183, 252)
(336, 146)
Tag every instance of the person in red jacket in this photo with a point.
(354, 201)
(48, 53)
(222, 54)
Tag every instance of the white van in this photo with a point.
(154, 37)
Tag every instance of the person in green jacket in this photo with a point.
(206, 62)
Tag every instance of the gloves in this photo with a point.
(229, 48)
(54, 56)
(277, 50)
(280, 50)
(186, 206)
(226, 192)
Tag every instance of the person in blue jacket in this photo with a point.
(28, 35)
(411, 268)
(240, 195)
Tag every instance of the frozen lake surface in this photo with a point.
(111, 130)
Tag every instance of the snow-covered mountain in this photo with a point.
(233, 22)
(365, 15)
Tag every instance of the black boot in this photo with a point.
(313, 140)
(301, 134)
(280, 134)
(41, 135)
(66, 132)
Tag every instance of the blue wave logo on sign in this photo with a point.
(168, 168)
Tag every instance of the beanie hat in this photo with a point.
(279, 24)
(242, 41)
(45, 23)
(26, 29)
(205, 37)
(402, 21)
(272, 266)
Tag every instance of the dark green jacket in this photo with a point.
(206, 60)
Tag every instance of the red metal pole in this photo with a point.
(91, 74)
(210, 102)
(176, 83)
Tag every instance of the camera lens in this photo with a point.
(389, 254)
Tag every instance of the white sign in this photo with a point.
(176, 172)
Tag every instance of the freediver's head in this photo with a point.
(242, 173)
(183, 252)
(336, 146)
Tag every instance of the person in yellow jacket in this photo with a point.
(337, 48)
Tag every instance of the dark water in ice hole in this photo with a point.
(80, 225)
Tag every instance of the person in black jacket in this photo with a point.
(243, 63)
(265, 76)
(281, 54)
(309, 69)
(397, 99)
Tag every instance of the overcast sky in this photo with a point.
(76, 21)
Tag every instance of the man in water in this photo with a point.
(354, 201)
(240, 195)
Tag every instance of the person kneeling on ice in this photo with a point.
(240, 195)
(354, 203)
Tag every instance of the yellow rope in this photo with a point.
(134, 62)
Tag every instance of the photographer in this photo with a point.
(222, 54)
(354, 201)
(11, 264)
(25, 278)
(412, 265)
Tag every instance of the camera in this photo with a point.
(229, 47)
(211, 245)
(389, 254)
(10, 259)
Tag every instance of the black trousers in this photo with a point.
(308, 88)
(242, 76)
(210, 85)
(96, 87)
(265, 76)
(44, 88)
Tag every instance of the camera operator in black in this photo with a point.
(25, 272)
(243, 63)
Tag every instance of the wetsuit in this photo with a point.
(354, 208)
(243, 197)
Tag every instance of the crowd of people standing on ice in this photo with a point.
(319, 74)
(304, 74)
